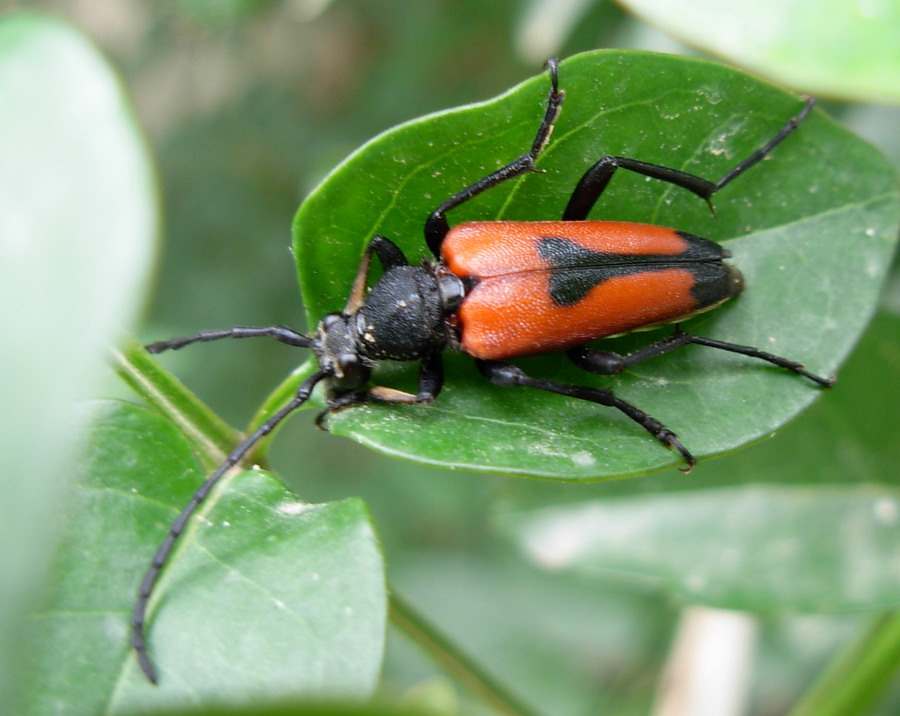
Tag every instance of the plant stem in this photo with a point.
(858, 675)
(210, 436)
(453, 660)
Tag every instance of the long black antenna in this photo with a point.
(164, 551)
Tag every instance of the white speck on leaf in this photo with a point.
(292, 507)
(583, 458)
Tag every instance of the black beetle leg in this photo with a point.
(606, 363)
(595, 179)
(436, 227)
(389, 255)
(507, 376)
(431, 380)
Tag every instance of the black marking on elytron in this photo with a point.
(575, 270)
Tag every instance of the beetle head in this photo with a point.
(339, 354)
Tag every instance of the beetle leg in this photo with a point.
(431, 380)
(752, 352)
(607, 363)
(282, 334)
(436, 226)
(389, 255)
(506, 375)
(595, 179)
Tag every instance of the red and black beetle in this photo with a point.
(505, 289)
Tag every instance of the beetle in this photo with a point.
(497, 290)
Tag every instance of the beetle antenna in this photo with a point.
(282, 334)
(164, 551)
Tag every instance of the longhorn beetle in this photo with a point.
(502, 289)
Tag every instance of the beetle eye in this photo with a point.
(350, 369)
(347, 361)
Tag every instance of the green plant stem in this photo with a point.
(451, 658)
(857, 676)
(210, 436)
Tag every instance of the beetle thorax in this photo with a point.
(403, 317)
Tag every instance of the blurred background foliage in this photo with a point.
(247, 104)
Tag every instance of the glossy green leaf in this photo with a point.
(267, 598)
(77, 227)
(836, 48)
(812, 229)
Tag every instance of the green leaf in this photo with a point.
(831, 47)
(267, 597)
(812, 229)
(78, 219)
(748, 548)
(822, 535)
